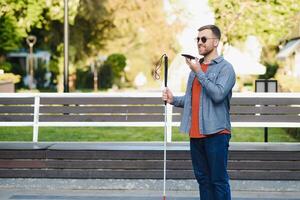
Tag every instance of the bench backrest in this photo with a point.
(78, 109)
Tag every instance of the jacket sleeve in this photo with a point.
(222, 86)
(178, 101)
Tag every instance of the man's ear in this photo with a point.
(216, 43)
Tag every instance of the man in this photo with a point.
(206, 116)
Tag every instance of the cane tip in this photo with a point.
(164, 198)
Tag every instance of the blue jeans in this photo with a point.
(209, 159)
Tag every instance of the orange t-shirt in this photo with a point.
(196, 95)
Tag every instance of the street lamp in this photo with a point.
(31, 40)
(66, 47)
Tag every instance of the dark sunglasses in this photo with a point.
(203, 39)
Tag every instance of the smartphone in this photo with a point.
(188, 56)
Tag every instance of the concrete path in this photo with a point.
(115, 189)
(14, 194)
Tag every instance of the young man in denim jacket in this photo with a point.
(206, 115)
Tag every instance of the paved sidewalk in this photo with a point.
(117, 189)
(14, 194)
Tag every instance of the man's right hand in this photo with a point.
(167, 95)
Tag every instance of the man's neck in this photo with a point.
(209, 57)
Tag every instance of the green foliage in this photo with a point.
(112, 70)
(19, 16)
(269, 20)
(9, 37)
(109, 73)
(118, 63)
(271, 71)
(134, 28)
(137, 29)
(53, 68)
(6, 66)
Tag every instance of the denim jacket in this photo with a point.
(214, 105)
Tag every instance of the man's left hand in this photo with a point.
(194, 65)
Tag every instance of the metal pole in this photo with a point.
(66, 47)
(266, 134)
(266, 128)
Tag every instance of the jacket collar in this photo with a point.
(215, 61)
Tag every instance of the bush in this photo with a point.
(117, 64)
(270, 72)
(6, 66)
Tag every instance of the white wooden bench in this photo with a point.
(137, 110)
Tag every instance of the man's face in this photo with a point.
(206, 42)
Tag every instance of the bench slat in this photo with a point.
(16, 101)
(264, 101)
(102, 109)
(101, 100)
(284, 109)
(101, 118)
(265, 118)
(264, 109)
(16, 109)
(16, 118)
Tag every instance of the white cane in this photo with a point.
(165, 132)
(157, 76)
(165, 153)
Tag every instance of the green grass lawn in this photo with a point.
(130, 134)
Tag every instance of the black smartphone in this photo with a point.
(188, 56)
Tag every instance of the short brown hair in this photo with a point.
(216, 31)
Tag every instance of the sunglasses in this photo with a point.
(203, 39)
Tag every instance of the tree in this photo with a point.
(17, 18)
(43, 18)
(269, 20)
(136, 29)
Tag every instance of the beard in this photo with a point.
(206, 52)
